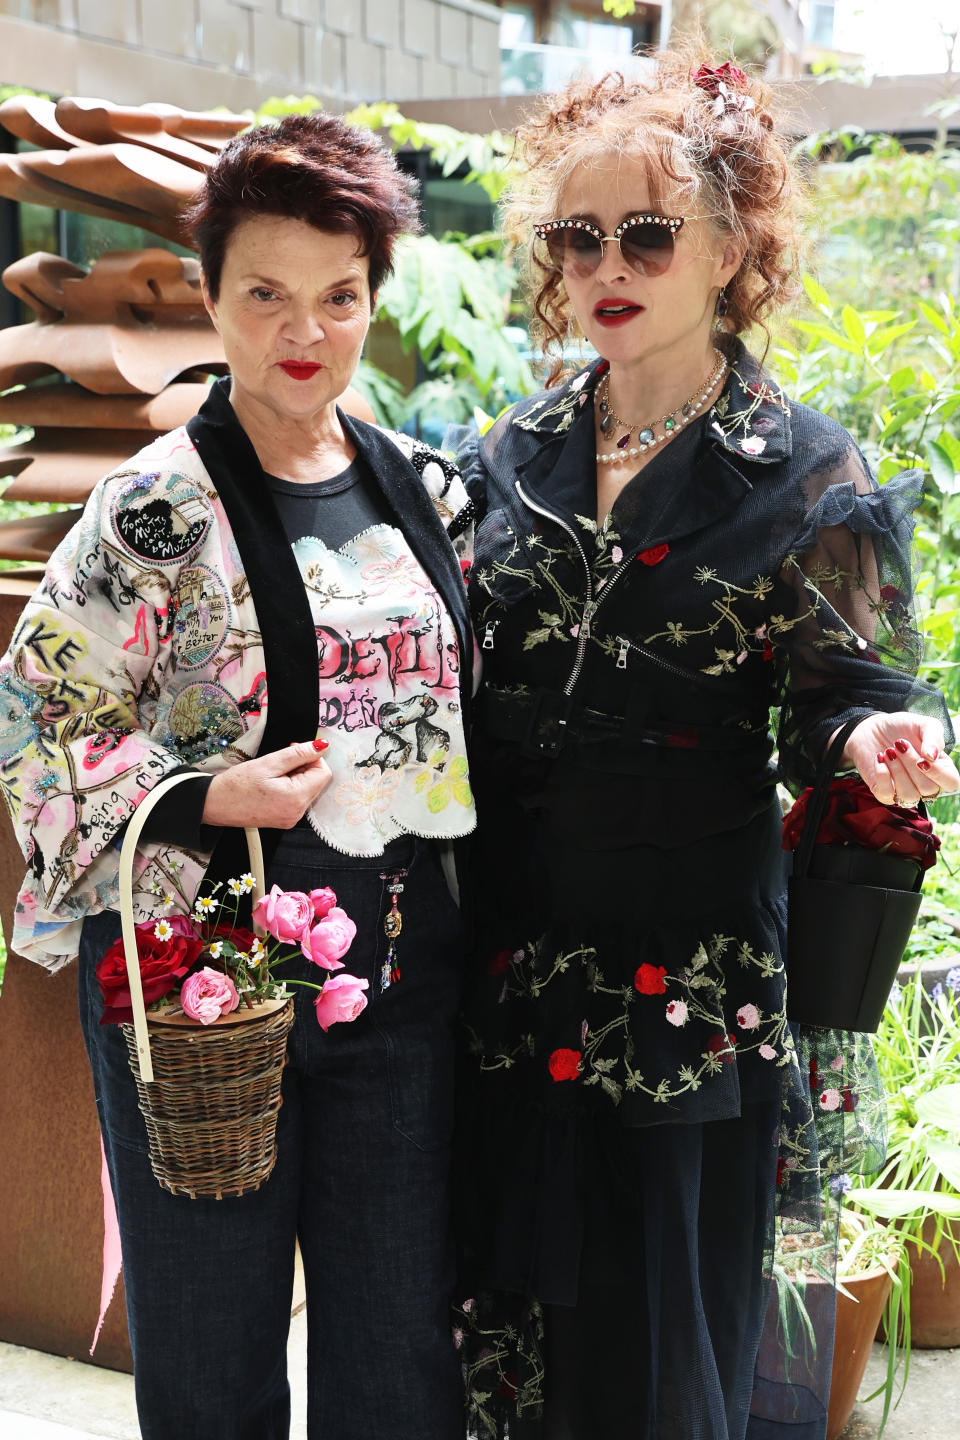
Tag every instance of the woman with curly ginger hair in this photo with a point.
(667, 547)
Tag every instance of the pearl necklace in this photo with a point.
(647, 436)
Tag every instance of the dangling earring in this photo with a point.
(723, 305)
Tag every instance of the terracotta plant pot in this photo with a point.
(935, 1297)
(857, 1320)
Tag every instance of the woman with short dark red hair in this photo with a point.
(273, 572)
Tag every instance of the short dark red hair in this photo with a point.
(336, 177)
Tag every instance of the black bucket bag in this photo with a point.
(850, 911)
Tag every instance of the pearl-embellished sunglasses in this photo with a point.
(646, 243)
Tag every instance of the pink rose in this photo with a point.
(284, 914)
(341, 998)
(208, 994)
(830, 1100)
(748, 1017)
(677, 1012)
(330, 938)
(323, 902)
(768, 1052)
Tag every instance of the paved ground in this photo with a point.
(43, 1397)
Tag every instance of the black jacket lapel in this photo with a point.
(279, 597)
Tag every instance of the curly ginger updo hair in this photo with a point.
(720, 150)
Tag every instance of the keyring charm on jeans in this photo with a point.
(392, 926)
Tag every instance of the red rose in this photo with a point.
(507, 1388)
(892, 827)
(649, 980)
(781, 1168)
(849, 1099)
(237, 935)
(654, 555)
(500, 963)
(709, 78)
(465, 567)
(162, 964)
(814, 1075)
(722, 1045)
(854, 816)
(767, 650)
(565, 1064)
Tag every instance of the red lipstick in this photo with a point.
(300, 369)
(614, 311)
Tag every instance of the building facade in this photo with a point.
(237, 53)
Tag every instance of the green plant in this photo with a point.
(936, 935)
(918, 1056)
(848, 1245)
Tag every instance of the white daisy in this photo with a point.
(163, 930)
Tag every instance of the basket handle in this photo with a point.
(127, 852)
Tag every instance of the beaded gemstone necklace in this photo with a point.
(647, 435)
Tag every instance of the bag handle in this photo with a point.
(127, 852)
(817, 803)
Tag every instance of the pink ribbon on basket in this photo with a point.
(112, 1261)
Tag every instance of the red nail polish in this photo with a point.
(923, 764)
(902, 746)
(321, 745)
(891, 753)
(881, 758)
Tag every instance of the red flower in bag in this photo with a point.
(854, 816)
(163, 963)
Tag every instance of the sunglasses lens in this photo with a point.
(647, 247)
(574, 249)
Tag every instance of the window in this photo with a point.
(821, 23)
(517, 26)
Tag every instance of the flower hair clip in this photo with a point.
(726, 85)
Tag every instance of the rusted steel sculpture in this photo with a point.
(130, 343)
(131, 333)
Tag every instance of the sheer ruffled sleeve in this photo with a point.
(850, 633)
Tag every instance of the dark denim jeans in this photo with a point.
(362, 1179)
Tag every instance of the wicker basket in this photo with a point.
(209, 1095)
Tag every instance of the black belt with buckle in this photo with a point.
(544, 722)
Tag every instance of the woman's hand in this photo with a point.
(901, 758)
(273, 790)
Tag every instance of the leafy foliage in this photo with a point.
(877, 343)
